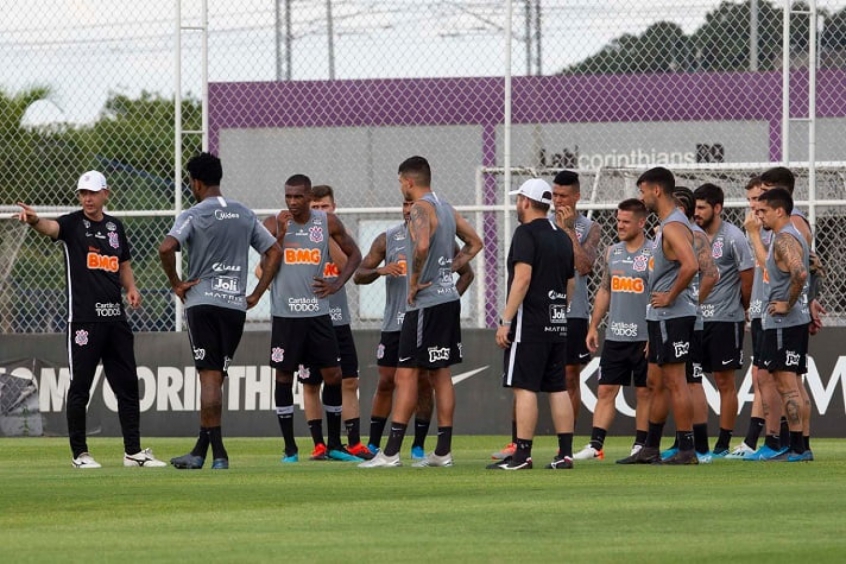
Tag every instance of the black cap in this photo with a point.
(566, 178)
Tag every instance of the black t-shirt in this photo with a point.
(542, 317)
(93, 253)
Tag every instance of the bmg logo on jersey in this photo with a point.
(436, 354)
(627, 284)
(303, 256)
(557, 313)
(226, 284)
(96, 261)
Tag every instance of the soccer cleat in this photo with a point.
(220, 464)
(720, 454)
(794, 456)
(669, 453)
(374, 450)
(635, 449)
(343, 455)
(740, 452)
(589, 453)
(382, 461)
(507, 450)
(496, 465)
(144, 459)
(646, 455)
(188, 462)
(764, 453)
(561, 463)
(417, 453)
(705, 457)
(360, 451)
(511, 465)
(434, 461)
(290, 458)
(320, 452)
(85, 462)
(681, 458)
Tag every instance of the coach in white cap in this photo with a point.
(533, 326)
(97, 259)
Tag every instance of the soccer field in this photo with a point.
(260, 510)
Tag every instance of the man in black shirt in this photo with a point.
(97, 255)
(533, 326)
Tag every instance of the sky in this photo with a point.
(86, 49)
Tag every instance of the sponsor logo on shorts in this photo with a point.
(277, 354)
(436, 354)
(303, 256)
(557, 313)
(697, 371)
(81, 337)
(226, 362)
(114, 242)
(315, 234)
(791, 358)
(221, 215)
(303, 372)
(96, 261)
(627, 284)
(226, 284)
(303, 305)
(460, 350)
(621, 329)
(107, 309)
(380, 351)
(199, 354)
(681, 348)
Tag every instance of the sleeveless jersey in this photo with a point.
(396, 287)
(731, 255)
(756, 301)
(629, 273)
(695, 283)
(777, 287)
(305, 252)
(93, 253)
(662, 276)
(438, 266)
(580, 304)
(218, 232)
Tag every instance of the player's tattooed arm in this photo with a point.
(472, 243)
(790, 258)
(708, 272)
(605, 279)
(584, 254)
(368, 271)
(420, 230)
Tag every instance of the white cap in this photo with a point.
(535, 189)
(93, 181)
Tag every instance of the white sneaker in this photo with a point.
(143, 458)
(432, 460)
(636, 449)
(589, 453)
(85, 461)
(740, 452)
(382, 461)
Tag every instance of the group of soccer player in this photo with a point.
(677, 302)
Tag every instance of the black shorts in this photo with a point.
(693, 367)
(349, 358)
(387, 353)
(669, 340)
(431, 337)
(577, 351)
(537, 367)
(757, 334)
(109, 342)
(214, 333)
(785, 349)
(309, 341)
(623, 362)
(722, 346)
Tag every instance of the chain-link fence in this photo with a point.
(344, 90)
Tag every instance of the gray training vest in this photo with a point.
(663, 274)
(777, 287)
(756, 302)
(628, 273)
(305, 252)
(731, 254)
(438, 266)
(397, 244)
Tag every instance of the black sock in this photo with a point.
(597, 437)
(807, 440)
(285, 414)
(723, 441)
(523, 452)
(797, 442)
(756, 425)
(685, 439)
(216, 441)
(773, 441)
(513, 431)
(653, 436)
(353, 428)
(565, 444)
(332, 406)
(315, 427)
(201, 447)
(421, 431)
(444, 445)
(784, 433)
(377, 428)
(640, 437)
(395, 438)
(700, 437)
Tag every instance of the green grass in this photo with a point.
(333, 512)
